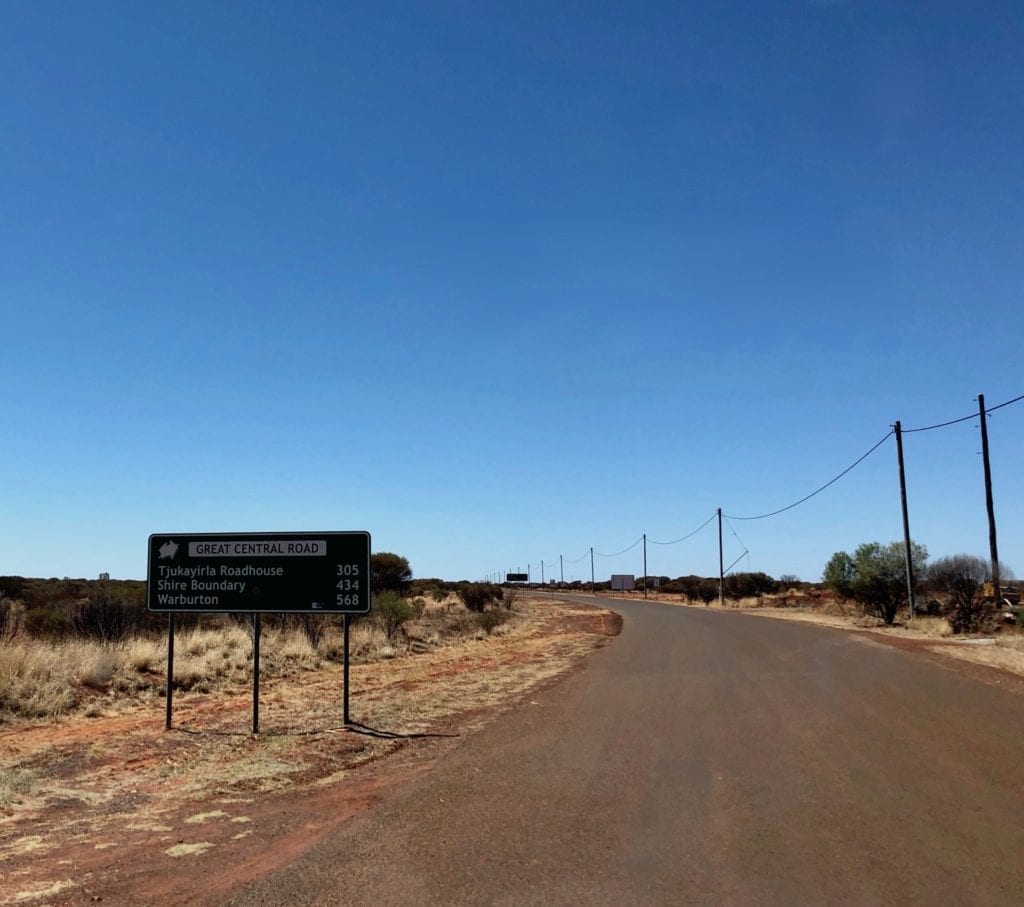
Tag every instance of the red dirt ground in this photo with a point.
(116, 809)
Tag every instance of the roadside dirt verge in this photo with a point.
(116, 809)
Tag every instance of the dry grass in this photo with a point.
(931, 626)
(41, 679)
(36, 680)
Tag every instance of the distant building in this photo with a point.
(104, 576)
(623, 582)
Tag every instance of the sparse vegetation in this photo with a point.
(86, 646)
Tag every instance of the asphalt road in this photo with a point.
(706, 758)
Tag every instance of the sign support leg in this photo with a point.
(256, 673)
(170, 668)
(344, 709)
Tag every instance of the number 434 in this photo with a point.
(348, 585)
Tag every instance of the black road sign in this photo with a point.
(516, 577)
(267, 572)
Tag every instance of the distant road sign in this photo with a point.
(623, 582)
(313, 572)
(517, 577)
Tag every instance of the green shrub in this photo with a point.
(393, 611)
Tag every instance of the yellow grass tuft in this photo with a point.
(14, 783)
(43, 890)
(185, 850)
(146, 654)
(932, 626)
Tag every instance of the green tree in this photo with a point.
(389, 571)
(875, 576)
(839, 574)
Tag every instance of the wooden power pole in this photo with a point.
(645, 565)
(898, 429)
(993, 548)
(721, 562)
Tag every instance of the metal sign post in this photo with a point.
(256, 673)
(344, 706)
(170, 669)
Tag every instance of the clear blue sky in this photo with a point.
(498, 282)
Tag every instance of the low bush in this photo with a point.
(393, 611)
(47, 623)
(105, 616)
(477, 596)
(492, 618)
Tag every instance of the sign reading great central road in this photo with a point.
(262, 572)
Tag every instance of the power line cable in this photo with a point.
(908, 431)
(689, 534)
(817, 491)
(990, 409)
(634, 545)
(856, 462)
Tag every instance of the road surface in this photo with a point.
(706, 757)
